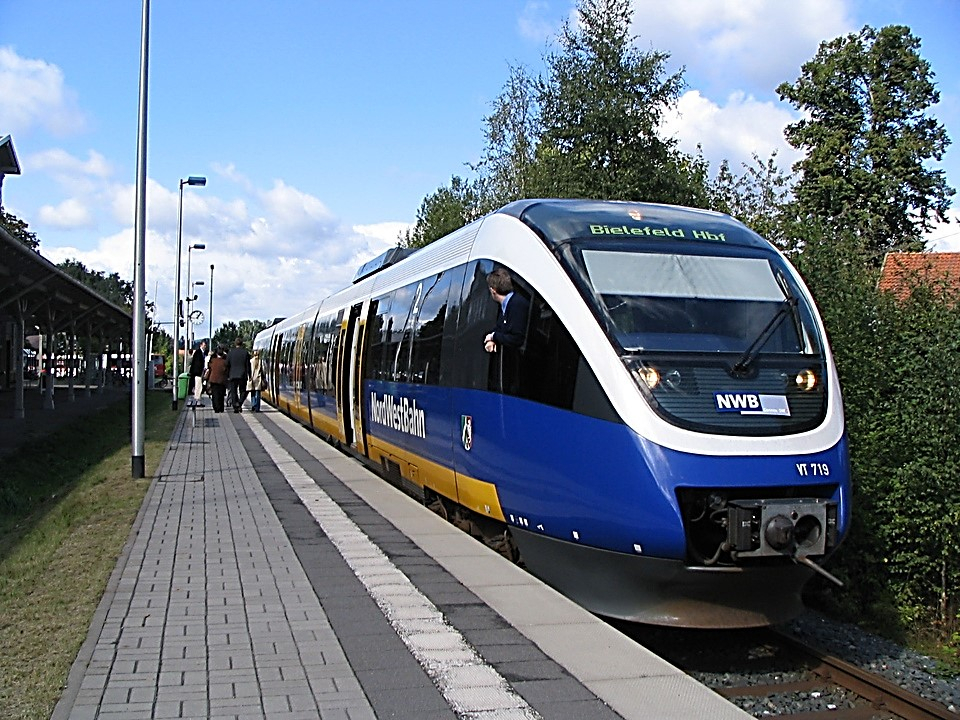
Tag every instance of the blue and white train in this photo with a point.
(668, 444)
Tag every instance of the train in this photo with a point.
(665, 444)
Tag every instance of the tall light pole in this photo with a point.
(192, 298)
(192, 180)
(210, 312)
(138, 419)
(187, 341)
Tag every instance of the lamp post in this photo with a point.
(192, 180)
(210, 312)
(139, 339)
(190, 298)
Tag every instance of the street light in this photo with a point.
(190, 313)
(188, 344)
(210, 313)
(192, 180)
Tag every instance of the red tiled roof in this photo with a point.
(902, 270)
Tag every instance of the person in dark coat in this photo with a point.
(238, 370)
(508, 335)
(217, 377)
(197, 363)
(511, 328)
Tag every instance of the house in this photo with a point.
(902, 271)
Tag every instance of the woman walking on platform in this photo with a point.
(256, 382)
(217, 378)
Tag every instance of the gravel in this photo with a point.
(908, 669)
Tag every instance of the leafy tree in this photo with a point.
(600, 108)
(18, 229)
(589, 129)
(758, 198)
(226, 334)
(867, 137)
(112, 286)
(248, 330)
(512, 131)
(894, 358)
(444, 211)
(229, 331)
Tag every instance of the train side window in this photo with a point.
(334, 356)
(549, 368)
(320, 376)
(553, 371)
(428, 330)
(378, 336)
(548, 364)
(328, 365)
(450, 362)
(286, 358)
(477, 316)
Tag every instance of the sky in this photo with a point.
(321, 125)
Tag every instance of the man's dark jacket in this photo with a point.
(511, 326)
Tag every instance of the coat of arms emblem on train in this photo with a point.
(466, 431)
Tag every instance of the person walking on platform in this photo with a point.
(197, 363)
(256, 382)
(217, 377)
(238, 370)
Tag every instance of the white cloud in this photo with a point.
(534, 24)
(735, 131)
(274, 251)
(69, 171)
(32, 93)
(71, 213)
(296, 210)
(945, 236)
(388, 232)
(760, 42)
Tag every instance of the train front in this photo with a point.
(736, 485)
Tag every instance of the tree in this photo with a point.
(513, 129)
(589, 129)
(248, 330)
(18, 229)
(600, 109)
(226, 334)
(112, 286)
(867, 137)
(229, 331)
(759, 198)
(446, 210)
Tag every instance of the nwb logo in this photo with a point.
(737, 402)
(752, 404)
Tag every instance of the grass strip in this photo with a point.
(66, 509)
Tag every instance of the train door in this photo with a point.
(356, 378)
(276, 345)
(347, 393)
(298, 373)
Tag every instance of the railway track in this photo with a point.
(770, 674)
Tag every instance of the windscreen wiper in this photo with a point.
(787, 307)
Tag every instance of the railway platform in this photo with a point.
(269, 576)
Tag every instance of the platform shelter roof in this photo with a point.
(51, 299)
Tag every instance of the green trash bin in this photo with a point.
(183, 382)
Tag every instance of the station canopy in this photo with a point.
(51, 299)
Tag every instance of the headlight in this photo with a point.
(806, 380)
(648, 375)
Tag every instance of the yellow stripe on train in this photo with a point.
(473, 494)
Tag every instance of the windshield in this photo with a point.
(678, 302)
